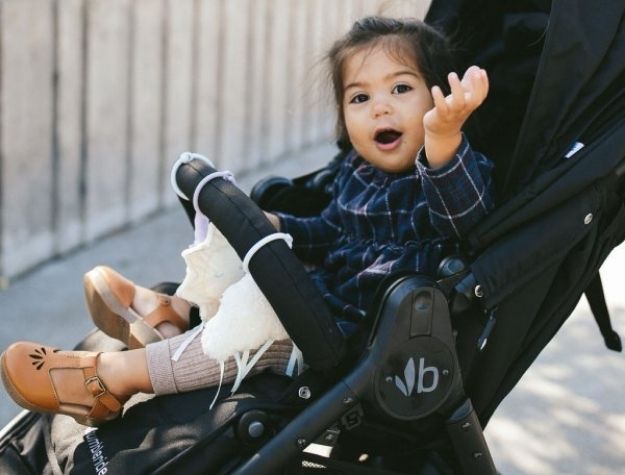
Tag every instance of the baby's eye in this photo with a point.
(401, 89)
(358, 99)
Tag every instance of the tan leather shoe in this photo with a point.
(43, 379)
(109, 298)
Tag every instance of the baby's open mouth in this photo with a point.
(387, 136)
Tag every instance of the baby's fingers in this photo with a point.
(475, 82)
(457, 99)
(480, 90)
(440, 103)
(484, 82)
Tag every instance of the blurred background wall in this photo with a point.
(99, 97)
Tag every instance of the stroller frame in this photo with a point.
(413, 324)
(414, 320)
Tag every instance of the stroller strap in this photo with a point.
(261, 242)
(596, 300)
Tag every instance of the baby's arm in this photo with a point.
(459, 194)
(443, 123)
(312, 236)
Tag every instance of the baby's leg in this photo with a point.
(89, 386)
(92, 387)
(195, 370)
(152, 370)
(131, 313)
(125, 373)
(145, 301)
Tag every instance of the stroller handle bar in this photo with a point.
(277, 271)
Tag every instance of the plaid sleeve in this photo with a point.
(459, 194)
(312, 236)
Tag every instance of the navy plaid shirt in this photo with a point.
(379, 222)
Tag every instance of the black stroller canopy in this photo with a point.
(557, 79)
(557, 72)
(578, 88)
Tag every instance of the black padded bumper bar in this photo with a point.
(276, 270)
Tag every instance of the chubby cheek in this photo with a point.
(358, 145)
(417, 135)
(357, 133)
(419, 138)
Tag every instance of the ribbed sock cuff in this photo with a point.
(160, 368)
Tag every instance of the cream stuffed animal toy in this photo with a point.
(212, 267)
(237, 316)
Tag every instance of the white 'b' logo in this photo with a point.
(406, 386)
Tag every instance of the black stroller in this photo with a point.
(412, 392)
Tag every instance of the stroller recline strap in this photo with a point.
(596, 300)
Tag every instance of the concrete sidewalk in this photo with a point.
(566, 416)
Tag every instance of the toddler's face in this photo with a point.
(384, 104)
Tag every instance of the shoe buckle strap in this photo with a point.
(100, 412)
(102, 396)
(164, 300)
(95, 386)
(165, 313)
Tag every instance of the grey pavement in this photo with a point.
(566, 416)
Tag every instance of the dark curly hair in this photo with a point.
(408, 40)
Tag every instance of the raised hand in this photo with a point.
(443, 123)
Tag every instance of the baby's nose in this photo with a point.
(381, 107)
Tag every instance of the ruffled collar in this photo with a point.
(372, 174)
